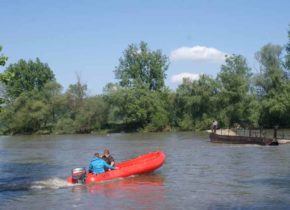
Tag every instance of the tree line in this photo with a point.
(32, 101)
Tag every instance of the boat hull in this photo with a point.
(143, 164)
(215, 138)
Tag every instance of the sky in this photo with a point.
(87, 38)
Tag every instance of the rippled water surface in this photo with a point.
(197, 174)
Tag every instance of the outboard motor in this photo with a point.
(79, 175)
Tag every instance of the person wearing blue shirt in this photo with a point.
(98, 165)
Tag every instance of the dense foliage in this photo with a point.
(33, 102)
(140, 67)
(287, 64)
(234, 97)
(3, 58)
(27, 76)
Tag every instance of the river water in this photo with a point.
(197, 174)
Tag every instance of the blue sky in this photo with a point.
(88, 37)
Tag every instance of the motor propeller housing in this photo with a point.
(79, 174)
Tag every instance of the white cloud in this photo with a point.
(197, 53)
(178, 78)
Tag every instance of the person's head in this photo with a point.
(106, 152)
(97, 154)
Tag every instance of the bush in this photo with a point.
(65, 126)
(186, 123)
(158, 122)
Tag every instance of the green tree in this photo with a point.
(24, 107)
(83, 114)
(52, 96)
(271, 74)
(140, 100)
(3, 78)
(129, 107)
(92, 115)
(196, 102)
(141, 67)
(70, 120)
(138, 109)
(28, 113)
(75, 96)
(27, 76)
(271, 86)
(3, 58)
(234, 95)
(158, 110)
(288, 51)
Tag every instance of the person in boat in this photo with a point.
(98, 165)
(214, 126)
(108, 158)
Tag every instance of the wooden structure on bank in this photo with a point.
(249, 137)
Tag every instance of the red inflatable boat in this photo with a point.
(143, 164)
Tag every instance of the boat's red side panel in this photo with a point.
(140, 165)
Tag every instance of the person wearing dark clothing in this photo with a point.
(214, 126)
(108, 158)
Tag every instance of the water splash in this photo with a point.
(51, 183)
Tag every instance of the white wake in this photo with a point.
(51, 183)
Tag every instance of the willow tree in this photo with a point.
(272, 86)
(196, 102)
(235, 83)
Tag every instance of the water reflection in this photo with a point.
(124, 184)
(141, 190)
